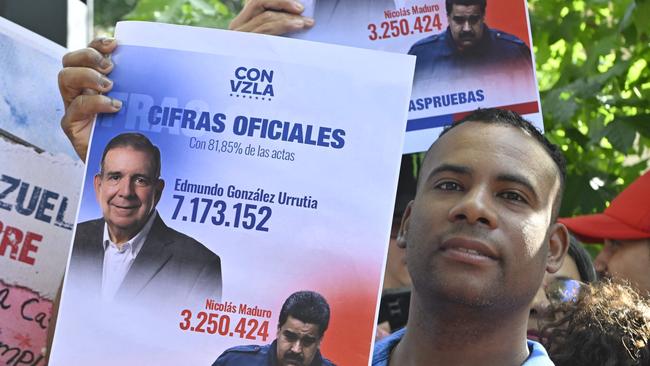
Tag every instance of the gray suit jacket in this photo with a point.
(170, 269)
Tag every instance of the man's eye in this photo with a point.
(142, 181)
(448, 186)
(474, 19)
(513, 196)
(113, 177)
(290, 337)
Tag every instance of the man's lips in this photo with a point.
(125, 206)
(470, 249)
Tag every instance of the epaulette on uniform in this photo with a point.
(508, 37)
(244, 349)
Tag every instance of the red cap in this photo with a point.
(627, 218)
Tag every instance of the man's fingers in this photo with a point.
(254, 8)
(281, 26)
(85, 107)
(104, 45)
(276, 23)
(77, 120)
(88, 57)
(74, 80)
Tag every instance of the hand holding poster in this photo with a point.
(470, 54)
(244, 175)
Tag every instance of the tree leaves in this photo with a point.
(595, 86)
(207, 13)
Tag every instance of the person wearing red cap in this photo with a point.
(624, 228)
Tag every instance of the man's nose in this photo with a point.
(475, 207)
(126, 188)
(296, 347)
(466, 26)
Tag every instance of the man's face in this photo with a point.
(466, 25)
(297, 342)
(127, 191)
(627, 260)
(479, 229)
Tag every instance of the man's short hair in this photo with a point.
(509, 118)
(449, 4)
(136, 141)
(308, 307)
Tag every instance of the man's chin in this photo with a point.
(466, 45)
(291, 362)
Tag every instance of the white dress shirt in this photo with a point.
(118, 262)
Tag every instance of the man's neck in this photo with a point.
(453, 334)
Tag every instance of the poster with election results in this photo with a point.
(467, 57)
(275, 175)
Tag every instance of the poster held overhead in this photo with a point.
(244, 175)
(468, 56)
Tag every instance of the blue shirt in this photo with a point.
(381, 354)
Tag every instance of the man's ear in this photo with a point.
(403, 228)
(97, 182)
(558, 245)
(160, 185)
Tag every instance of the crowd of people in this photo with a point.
(478, 263)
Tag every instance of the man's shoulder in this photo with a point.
(185, 244)
(383, 348)
(436, 39)
(537, 355)
(87, 232)
(326, 362)
(507, 39)
(91, 225)
(243, 355)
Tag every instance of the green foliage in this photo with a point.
(107, 12)
(205, 13)
(592, 67)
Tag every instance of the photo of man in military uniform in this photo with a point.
(468, 47)
(304, 318)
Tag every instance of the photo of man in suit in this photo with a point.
(130, 255)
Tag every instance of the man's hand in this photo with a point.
(274, 17)
(81, 81)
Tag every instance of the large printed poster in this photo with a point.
(40, 181)
(468, 57)
(272, 187)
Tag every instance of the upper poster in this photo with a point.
(468, 56)
(40, 182)
(239, 206)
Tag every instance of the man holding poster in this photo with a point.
(130, 254)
